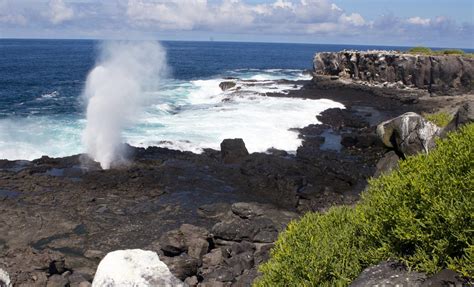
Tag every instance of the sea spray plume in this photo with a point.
(115, 92)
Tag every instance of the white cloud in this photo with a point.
(59, 12)
(419, 21)
(304, 16)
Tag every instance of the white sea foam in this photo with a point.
(183, 115)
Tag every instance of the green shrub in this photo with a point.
(441, 119)
(451, 52)
(420, 50)
(421, 214)
(317, 249)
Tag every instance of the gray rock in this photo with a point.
(388, 273)
(213, 258)
(408, 134)
(387, 163)
(464, 115)
(182, 266)
(227, 85)
(191, 281)
(437, 74)
(173, 242)
(233, 150)
(57, 281)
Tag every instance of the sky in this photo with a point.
(434, 23)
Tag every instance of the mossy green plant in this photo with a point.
(421, 214)
(441, 119)
(430, 52)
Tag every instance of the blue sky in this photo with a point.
(436, 23)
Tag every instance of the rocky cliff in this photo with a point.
(438, 74)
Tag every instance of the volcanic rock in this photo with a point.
(233, 150)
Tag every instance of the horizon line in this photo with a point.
(235, 41)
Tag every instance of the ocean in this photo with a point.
(42, 107)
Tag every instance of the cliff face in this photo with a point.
(438, 74)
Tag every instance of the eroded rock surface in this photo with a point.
(438, 74)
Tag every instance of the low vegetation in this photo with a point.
(421, 214)
(429, 51)
(441, 119)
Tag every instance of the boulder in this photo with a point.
(464, 115)
(226, 85)
(173, 242)
(387, 163)
(408, 134)
(133, 267)
(182, 266)
(233, 150)
(4, 279)
(388, 273)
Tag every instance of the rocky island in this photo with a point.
(212, 218)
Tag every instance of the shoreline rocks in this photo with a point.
(437, 74)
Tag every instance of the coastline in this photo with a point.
(55, 210)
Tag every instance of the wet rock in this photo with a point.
(4, 279)
(227, 85)
(387, 163)
(246, 210)
(57, 281)
(182, 266)
(408, 134)
(133, 268)
(388, 273)
(233, 150)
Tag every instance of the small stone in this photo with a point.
(94, 254)
(215, 257)
(191, 281)
(57, 281)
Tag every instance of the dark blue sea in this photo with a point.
(42, 107)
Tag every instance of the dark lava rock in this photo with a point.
(464, 115)
(388, 273)
(387, 163)
(182, 266)
(227, 85)
(233, 150)
(173, 242)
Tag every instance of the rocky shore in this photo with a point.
(212, 217)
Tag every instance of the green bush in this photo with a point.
(421, 214)
(441, 119)
(420, 50)
(452, 52)
(317, 249)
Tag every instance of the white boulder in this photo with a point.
(133, 267)
(4, 279)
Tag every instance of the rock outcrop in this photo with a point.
(133, 267)
(233, 150)
(408, 134)
(438, 74)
